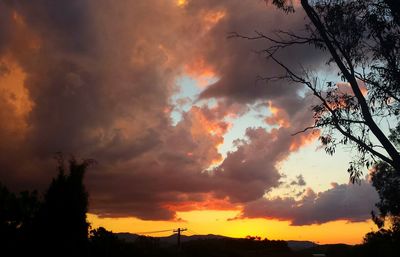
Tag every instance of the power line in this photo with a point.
(154, 232)
(193, 232)
(176, 231)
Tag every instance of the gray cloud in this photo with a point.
(350, 202)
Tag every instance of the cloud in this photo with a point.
(239, 64)
(299, 181)
(95, 78)
(349, 202)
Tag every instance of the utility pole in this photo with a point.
(178, 231)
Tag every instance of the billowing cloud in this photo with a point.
(350, 202)
(95, 78)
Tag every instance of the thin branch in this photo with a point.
(304, 130)
(336, 120)
(376, 84)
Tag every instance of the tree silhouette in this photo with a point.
(362, 39)
(387, 183)
(103, 242)
(17, 213)
(62, 224)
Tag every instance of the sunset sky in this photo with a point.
(183, 132)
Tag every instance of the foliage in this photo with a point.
(17, 213)
(104, 243)
(362, 39)
(386, 181)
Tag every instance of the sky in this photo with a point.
(183, 131)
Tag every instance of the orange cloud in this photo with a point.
(208, 128)
(204, 202)
(303, 139)
(279, 116)
(344, 91)
(17, 18)
(201, 71)
(15, 96)
(24, 38)
(181, 3)
(215, 128)
(211, 18)
(197, 67)
(345, 88)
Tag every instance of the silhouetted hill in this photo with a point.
(172, 239)
(219, 246)
(206, 245)
(331, 250)
(300, 245)
(128, 237)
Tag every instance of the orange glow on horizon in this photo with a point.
(222, 223)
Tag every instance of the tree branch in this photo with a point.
(390, 149)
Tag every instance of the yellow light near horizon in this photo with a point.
(222, 223)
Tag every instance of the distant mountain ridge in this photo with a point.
(295, 245)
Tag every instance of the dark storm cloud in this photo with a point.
(96, 77)
(350, 202)
(241, 61)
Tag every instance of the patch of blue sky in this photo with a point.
(188, 92)
(252, 119)
(317, 167)
(183, 100)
